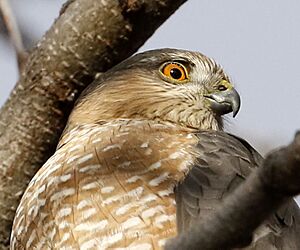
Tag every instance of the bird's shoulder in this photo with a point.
(222, 162)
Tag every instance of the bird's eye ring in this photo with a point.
(175, 71)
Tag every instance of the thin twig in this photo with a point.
(13, 31)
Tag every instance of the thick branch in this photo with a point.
(249, 205)
(90, 36)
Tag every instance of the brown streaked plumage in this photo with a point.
(142, 155)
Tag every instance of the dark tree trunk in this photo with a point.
(89, 37)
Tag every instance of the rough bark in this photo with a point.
(90, 36)
(233, 223)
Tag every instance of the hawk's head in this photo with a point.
(182, 87)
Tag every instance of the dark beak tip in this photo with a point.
(235, 110)
(236, 104)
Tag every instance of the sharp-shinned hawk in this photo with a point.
(142, 156)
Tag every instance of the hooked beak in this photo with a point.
(224, 102)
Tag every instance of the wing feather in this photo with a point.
(223, 162)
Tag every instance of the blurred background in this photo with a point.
(257, 42)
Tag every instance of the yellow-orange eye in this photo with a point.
(175, 71)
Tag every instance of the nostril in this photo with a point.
(222, 88)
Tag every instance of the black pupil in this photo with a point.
(175, 73)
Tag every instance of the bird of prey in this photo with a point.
(143, 155)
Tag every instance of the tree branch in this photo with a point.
(233, 223)
(13, 31)
(90, 36)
